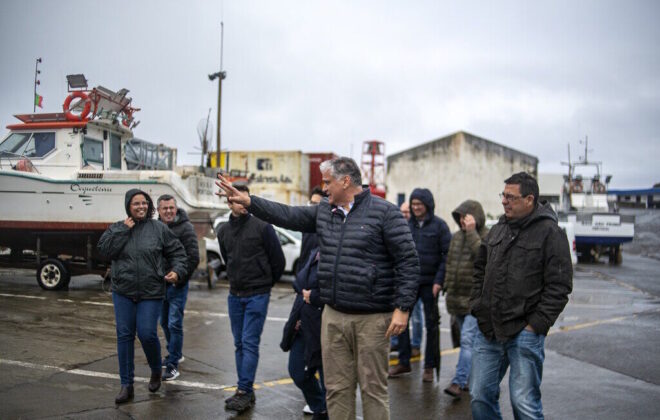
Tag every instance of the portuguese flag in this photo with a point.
(38, 99)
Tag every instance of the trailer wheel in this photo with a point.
(53, 275)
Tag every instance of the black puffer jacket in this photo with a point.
(141, 254)
(523, 275)
(463, 251)
(432, 238)
(368, 259)
(185, 232)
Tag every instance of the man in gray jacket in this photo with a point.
(522, 278)
(368, 277)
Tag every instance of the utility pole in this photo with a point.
(36, 82)
(221, 75)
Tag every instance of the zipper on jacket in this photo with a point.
(334, 275)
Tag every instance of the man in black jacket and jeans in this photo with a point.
(522, 278)
(171, 318)
(255, 261)
(368, 276)
(432, 237)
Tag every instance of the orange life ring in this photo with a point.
(67, 102)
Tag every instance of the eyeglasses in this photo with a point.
(510, 197)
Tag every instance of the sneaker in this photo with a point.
(398, 370)
(307, 410)
(241, 402)
(165, 360)
(183, 358)
(415, 352)
(320, 416)
(171, 373)
(231, 398)
(454, 390)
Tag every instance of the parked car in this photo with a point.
(290, 241)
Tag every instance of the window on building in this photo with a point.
(400, 198)
(264, 164)
(92, 150)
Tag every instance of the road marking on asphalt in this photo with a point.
(23, 296)
(91, 373)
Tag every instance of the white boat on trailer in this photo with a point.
(63, 177)
(599, 229)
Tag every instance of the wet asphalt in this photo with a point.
(58, 355)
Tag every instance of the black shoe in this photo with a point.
(320, 416)
(154, 382)
(242, 401)
(171, 373)
(232, 397)
(125, 394)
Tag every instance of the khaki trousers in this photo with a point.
(355, 351)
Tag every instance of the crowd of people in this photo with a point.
(366, 264)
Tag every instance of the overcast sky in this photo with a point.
(325, 76)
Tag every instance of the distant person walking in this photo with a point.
(431, 235)
(463, 251)
(522, 278)
(255, 262)
(140, 248)
(368, 274)
(176, 294)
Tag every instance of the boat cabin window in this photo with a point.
(115, 151)
(92, 150)
(33, 145)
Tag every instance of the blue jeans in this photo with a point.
(418, 329)
(171, 319)
(490, 361)
(469, 327)
(313, 389)
(140, 317)
(432, 321)
(247, 316)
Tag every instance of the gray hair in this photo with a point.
(341, 167)
(165, 197)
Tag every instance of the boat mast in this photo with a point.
(36, 82)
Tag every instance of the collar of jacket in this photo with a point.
(235, 221)
(357, 199)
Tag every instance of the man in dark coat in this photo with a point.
(368, 275)
(171, 319)
(255, 261)
(522, 278)
(432, 237)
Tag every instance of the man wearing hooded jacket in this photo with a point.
(171, 318)
(432, 237)
(522, 278)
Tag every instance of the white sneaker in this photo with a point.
(307, 410)
(182, 358)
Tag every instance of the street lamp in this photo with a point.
(221, 75)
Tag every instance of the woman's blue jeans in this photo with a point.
(140, 317)
(247, 316)
(313, 389)
(490, 360)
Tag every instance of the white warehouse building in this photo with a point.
(455, 168)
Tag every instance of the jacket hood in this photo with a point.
(129, 196)
(470, 207)
(426, 197)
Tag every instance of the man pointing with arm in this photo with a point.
(368, 277)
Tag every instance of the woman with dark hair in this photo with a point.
(140, 248)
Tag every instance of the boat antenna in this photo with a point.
(36, 99)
